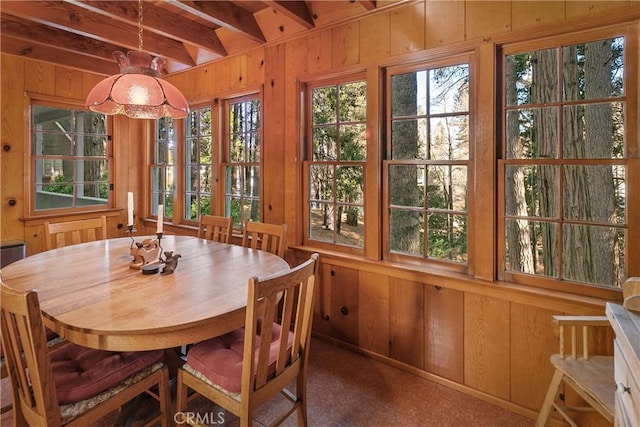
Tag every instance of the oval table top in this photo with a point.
(90, 296)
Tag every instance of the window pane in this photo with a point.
(52, 144)
(321, 183)
(324, 105)
(251, 210)
(350, 226)
(406, 232)
(321, 222)
(236, 148)
(448, 89)
(531, 247)
(253, 147)
(593, 254)
(324, 143)
(353, 143)
(234, 180)
(531, 77)
(252, 181)
(409, 96)
(191, 202)
(409, 139)
(447, 237)
(532, 133)
(205, 179)
(406, 185)
(447, 187)
(191, 152)
(191, 178)
(449, 138)
(353, 102)
(593, 131)
(594, 193)
(593, 70)
(532, 190)
(205, 205)
(349, 184)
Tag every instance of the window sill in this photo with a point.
(514, 292)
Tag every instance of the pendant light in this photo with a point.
(138, 91)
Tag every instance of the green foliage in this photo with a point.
(66, 188)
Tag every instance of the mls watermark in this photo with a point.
(208, 418)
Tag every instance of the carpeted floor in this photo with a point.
(347, 389)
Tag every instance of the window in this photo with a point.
(162, 169)
(427, 168)
(242, 170)
(198, 164)
(338, 153)
(71, 157)
(564, 164)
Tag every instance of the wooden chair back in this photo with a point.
(26, 355)
(267, 237)
(61, 234)
(216, 228)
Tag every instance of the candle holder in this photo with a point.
(130, 230)
(159, 236)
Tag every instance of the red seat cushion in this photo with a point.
(80, 373)
(220, 359)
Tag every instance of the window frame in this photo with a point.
(225, 161)
(629, 161)
(177, 167)
(33, 157)
(307, 162)
(426, 65)
(183, 156)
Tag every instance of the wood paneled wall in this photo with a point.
(486, 338)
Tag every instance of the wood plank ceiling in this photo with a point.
(83, 34)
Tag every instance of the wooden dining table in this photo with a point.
(89, 294)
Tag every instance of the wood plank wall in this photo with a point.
(483, 337)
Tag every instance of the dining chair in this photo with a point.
(216, 228)
(267, 237)
(59, 234)
(247, 367)
(68, 384)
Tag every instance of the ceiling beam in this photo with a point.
(80, 21)
(296, 10)
(224, 14)
(26, 30)
(368, 4)
(159, 21)
(47, 53)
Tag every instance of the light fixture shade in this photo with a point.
(138, 91)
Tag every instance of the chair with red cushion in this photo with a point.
(275, 340)
(68, 384)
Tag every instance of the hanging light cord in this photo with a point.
(140, 25)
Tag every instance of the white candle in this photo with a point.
(129, 208)
(160, 218)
